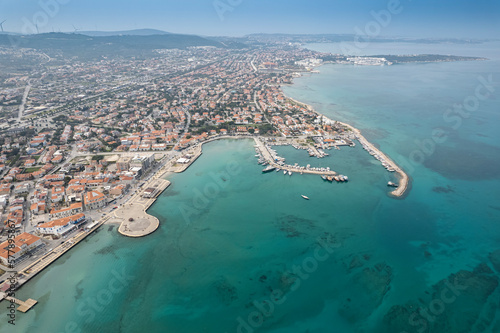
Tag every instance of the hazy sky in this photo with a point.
(414, 18)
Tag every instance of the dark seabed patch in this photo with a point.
(44, 299)
(225, 291)
(110, 249)
(461, 303)
(442, 189)
(79, 290)
(494, 207)
(368, 288)
(294, 226)
(468, 161)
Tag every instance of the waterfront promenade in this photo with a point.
(36, 267)
(138, 207)
(54, 254)
(194, 153)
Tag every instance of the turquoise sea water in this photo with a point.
(241, 251)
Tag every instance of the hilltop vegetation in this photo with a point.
(89, 47)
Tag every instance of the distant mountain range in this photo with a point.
(137, 32)
(95, 47)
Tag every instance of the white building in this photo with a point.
(60, 226)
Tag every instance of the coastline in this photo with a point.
(33, 269)
(176, 276)
(143, 224)
(404, 179)
(36, 267)
(136, 206)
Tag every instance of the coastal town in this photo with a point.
(88, 143)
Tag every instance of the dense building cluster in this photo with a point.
(59, 121)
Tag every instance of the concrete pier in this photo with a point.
(23, 306)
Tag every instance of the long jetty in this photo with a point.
(403, 177)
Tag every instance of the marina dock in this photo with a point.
(268, 157)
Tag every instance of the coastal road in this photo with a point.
(186, 129)
(23, 102)
(253, 65)
(257, 105)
